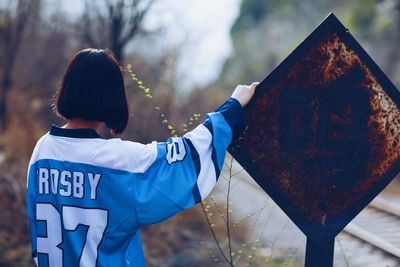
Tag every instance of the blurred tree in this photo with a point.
(14, 17)
(390, 40)
(267, 31)
(113, 23)
(365, 15)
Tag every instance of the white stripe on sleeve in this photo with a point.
(201, 139)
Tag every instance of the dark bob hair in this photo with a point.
(93, 89)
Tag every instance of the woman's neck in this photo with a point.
(81, 123)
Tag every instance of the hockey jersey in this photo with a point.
(88, 197)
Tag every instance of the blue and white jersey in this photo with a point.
(88, 196)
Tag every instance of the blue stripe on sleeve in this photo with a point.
(196, 194)
(208, 125)
(234, 116)
(215, 162)
(197, 165)
(195, 155)
(222, 137)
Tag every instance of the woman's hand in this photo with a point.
(244, 93)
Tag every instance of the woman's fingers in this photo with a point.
(244, 93)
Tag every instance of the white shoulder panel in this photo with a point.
(110, 153)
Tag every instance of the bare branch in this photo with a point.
(213, 234)
(100, 17)
(135, 21)
(228, 227)
(118, 22)
(87, 34)
(12, 32)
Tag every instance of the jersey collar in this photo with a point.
(74, 133)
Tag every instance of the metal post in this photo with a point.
(319, 252)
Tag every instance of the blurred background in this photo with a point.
(191, 53)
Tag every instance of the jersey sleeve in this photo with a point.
(185, 169)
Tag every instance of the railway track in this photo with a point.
(378, 226)
(372, 238)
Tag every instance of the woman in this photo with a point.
(89, 196)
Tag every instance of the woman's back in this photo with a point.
(88, 196)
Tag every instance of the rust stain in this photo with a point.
(332, 131)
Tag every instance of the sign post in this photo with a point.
(319, 252)
(323, 135)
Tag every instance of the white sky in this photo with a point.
(198, 28)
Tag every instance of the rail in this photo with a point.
(389, 213)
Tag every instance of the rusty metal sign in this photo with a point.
(323, 132)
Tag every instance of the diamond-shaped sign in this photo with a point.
(323, 132)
